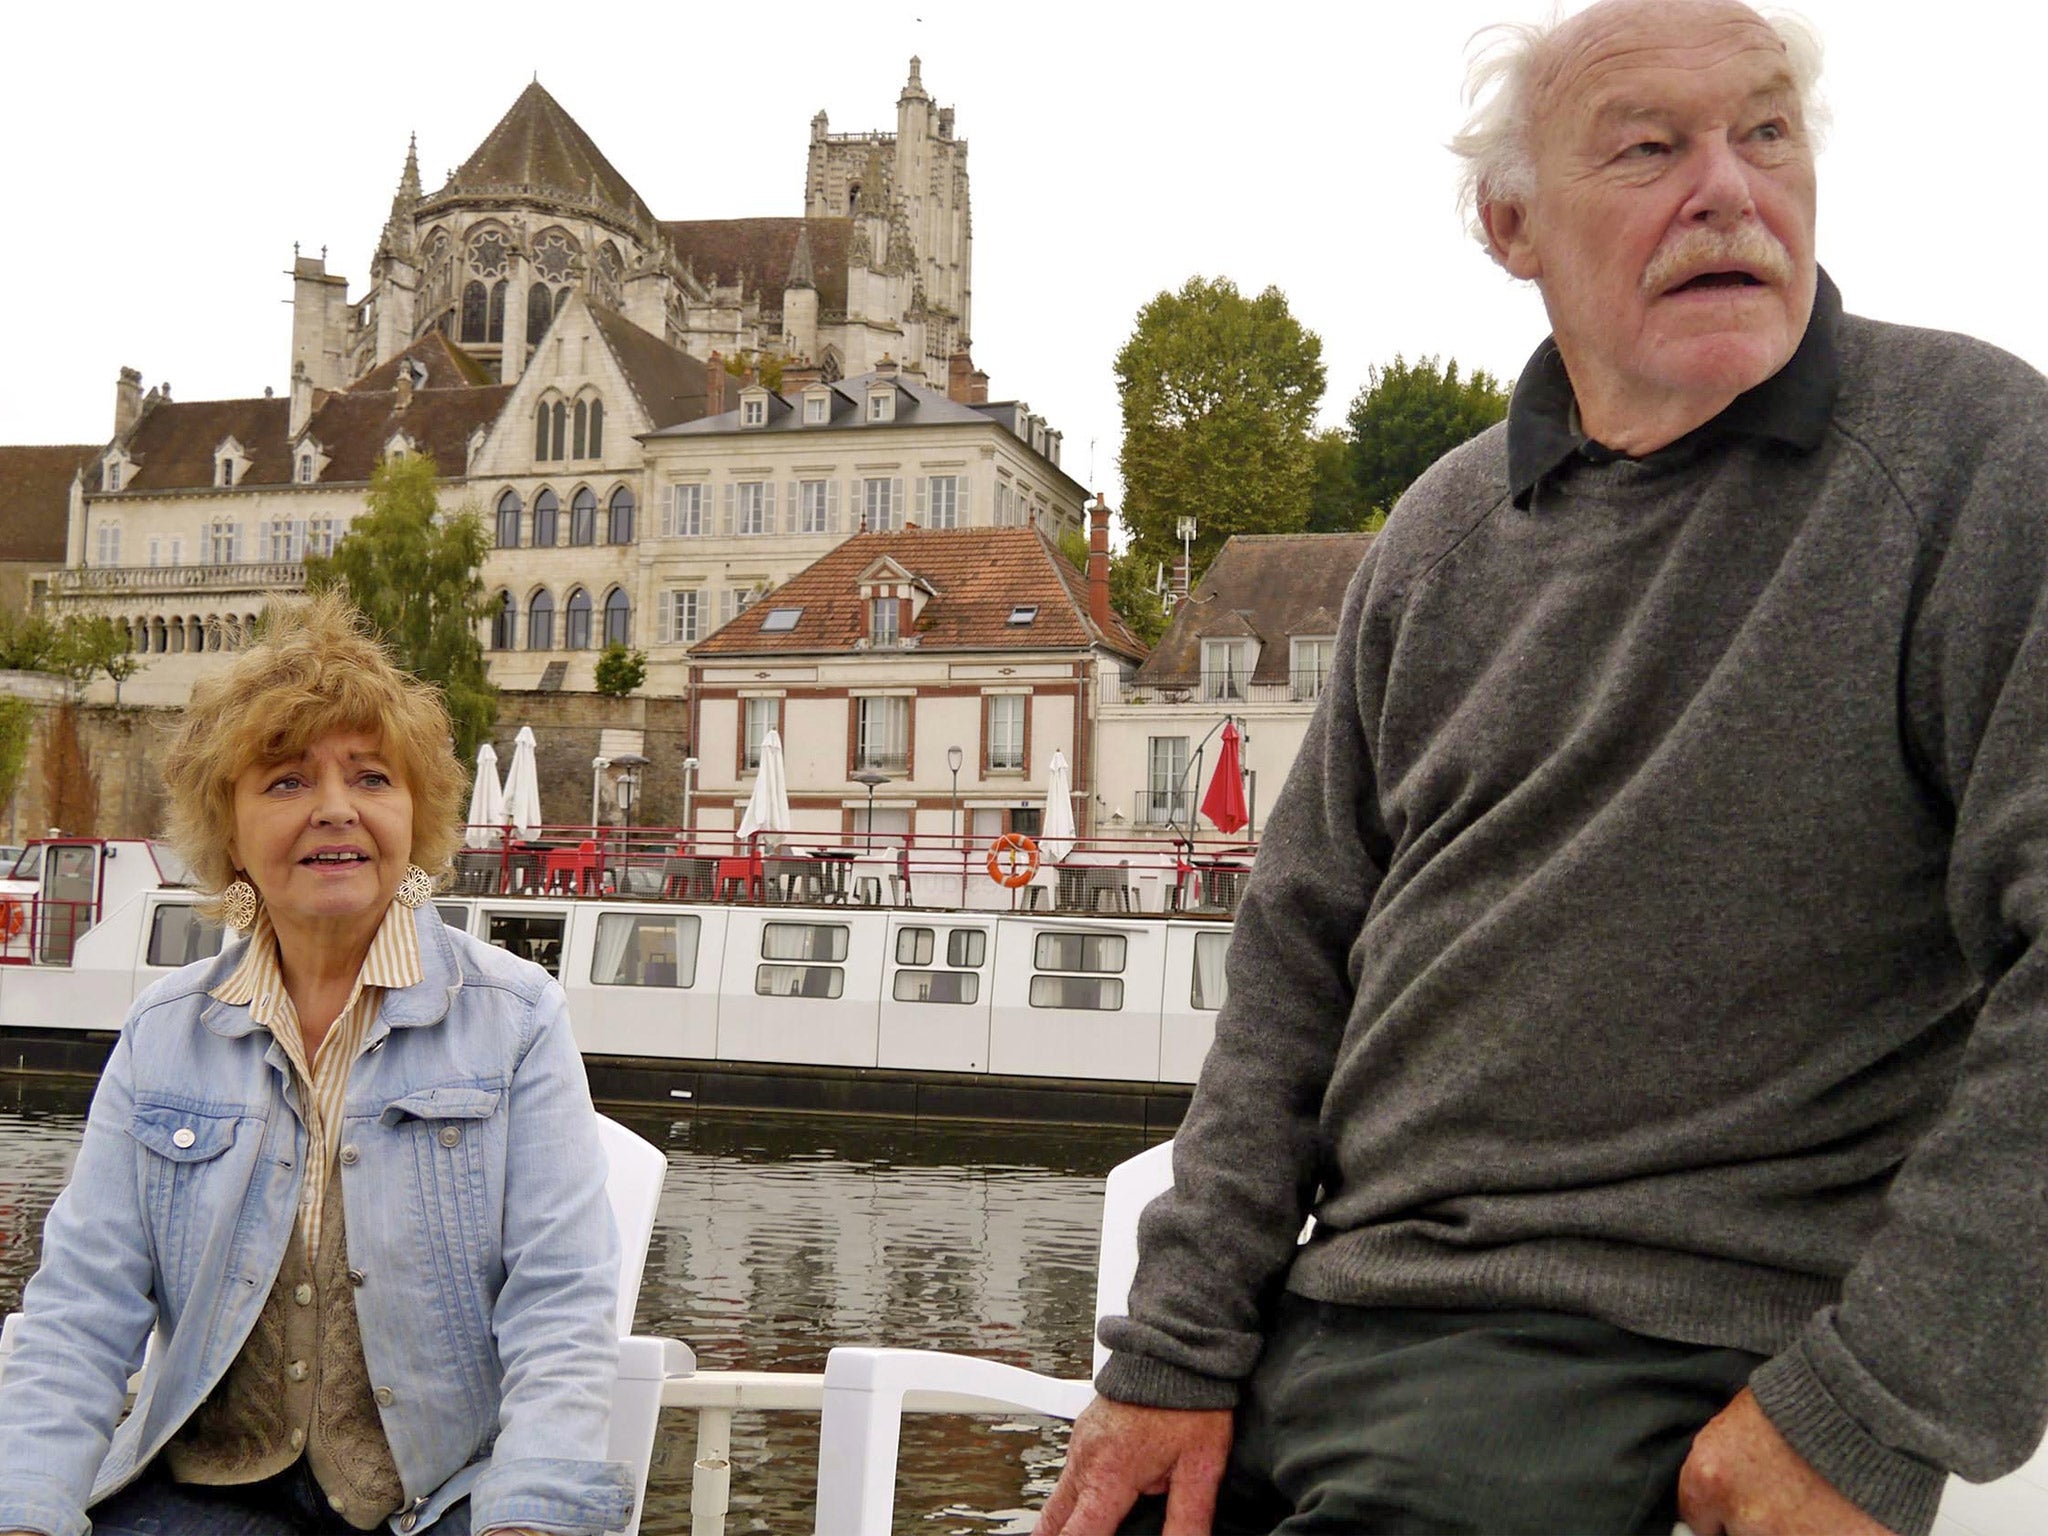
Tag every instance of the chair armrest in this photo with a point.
(650, 1359)
(864, 1400)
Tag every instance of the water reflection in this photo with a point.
(778, 1237)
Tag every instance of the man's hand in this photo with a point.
(1119, 1451)
(1742, 1479)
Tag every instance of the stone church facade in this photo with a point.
(880, 262)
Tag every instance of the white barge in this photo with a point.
(825, 1002)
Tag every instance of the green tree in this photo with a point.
(89, 644)
(1407, 417)
(620, 671)
(17, 729)
(1218, 392)
(1334, 506)
(416, 575)
(28, 641)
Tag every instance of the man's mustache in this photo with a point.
(1746, 247)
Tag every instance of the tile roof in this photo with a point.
(1273, 586)
(447, 366)
(672, 386)
(35, 498)
(539, 149)
(977, 576)
(173, 445)
(352, 428)
(758, 253)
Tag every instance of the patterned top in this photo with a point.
(258, 982)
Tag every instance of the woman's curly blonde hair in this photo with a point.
(315, 672)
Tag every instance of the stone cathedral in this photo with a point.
(879, 264)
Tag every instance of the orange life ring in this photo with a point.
(11, 919)
(1012, 860)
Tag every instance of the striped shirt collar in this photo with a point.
(393, 962)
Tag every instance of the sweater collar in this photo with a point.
(1792, 406)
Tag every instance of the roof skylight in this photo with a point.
(1023, 613)
(780, 621)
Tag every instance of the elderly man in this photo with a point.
(1642, 981)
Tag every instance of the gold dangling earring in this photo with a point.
(415, 888)
(238, 905)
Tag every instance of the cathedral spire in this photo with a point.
(397, 237)
(800, 275)
(914, 90)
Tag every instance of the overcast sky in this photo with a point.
(162, 161)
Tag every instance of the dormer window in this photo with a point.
(882, 405)
(227, 471)
(754, 411)
(305, 469)
(883, 614)
(817, 409)
(113, 475)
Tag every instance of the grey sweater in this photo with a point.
(1652, 928)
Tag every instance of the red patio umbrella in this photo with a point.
(1224, 803)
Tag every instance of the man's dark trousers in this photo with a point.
(1363, 1420)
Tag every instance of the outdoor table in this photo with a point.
(836, 864)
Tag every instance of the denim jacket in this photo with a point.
(473, 1185)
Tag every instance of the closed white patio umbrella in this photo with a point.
(1056, 827)
(522, 786)
(486, 801)
(768, 808)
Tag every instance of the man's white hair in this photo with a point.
(1509, 64)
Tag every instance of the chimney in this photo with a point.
(302, 399)
(127, 401)
(797, 375)
(1098, 562)
(886, 368)
(959, 367)
(714, 385)
(977, 388)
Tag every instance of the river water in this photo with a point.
(778, 1237)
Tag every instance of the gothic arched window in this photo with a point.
(582, 422)
(561, 299)
(621, 531)
(497, 325)
(540, 432)
(476, 306)
(545, 509)
(509, 508)
(504, 620)
(597, 429)
(576, 632)
(561, 420)
(540, 310)
(540, 622)
(618, 617)
(583, 516)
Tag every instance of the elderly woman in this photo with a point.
(348, 1170)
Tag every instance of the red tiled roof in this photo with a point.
(670, 385)
(540, 149)
(978, 576)
(757, 253)
(35, 498)
(447, 365)
(1272, 585)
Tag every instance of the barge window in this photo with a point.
(530, 936)
(914, 946)
(454, 914)
(1212, 986)
(178, 935)
(1102, 953)
(1100, 992)
(645, 949)
(937, 987)
(966, 947)
(799, 980)
(802, 941)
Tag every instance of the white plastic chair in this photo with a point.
(635, 1171)
(865, 1391)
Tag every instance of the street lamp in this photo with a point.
(629, 765)
(871, 777)
(597, 768)
(954, 756)
(689, 784)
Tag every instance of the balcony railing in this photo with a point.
(244, 576)
(1223, 688)
(1162, 807)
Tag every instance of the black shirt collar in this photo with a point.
(1792, 405)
